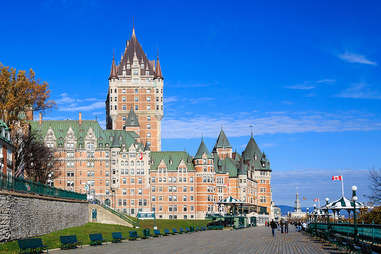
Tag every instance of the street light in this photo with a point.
(315, 215)
(308, 215)
(354, 199)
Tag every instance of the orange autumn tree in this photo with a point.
(20, 93)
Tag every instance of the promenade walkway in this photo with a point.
(250, 240)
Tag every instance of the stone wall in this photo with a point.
(23, 215)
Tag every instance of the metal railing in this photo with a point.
(367, 232)
(120, 215)
(17, 184)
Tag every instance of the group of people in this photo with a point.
(274, 225)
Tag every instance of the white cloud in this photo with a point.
(359, 91)
(199, 100)
(301, 87)
(237, 124)
(355, 58)
(309, 85)
(90, 107)
(170, 99)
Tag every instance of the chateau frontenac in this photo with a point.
(123, 166)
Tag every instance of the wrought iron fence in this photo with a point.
(368, 232)
(17, 184)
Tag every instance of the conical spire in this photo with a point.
(222, 141)
(113, 73)
(251, 149)
(201, 150)
(147, 147)
(158, 73)
(132, 119)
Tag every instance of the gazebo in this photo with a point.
(342, 204)
(232, 203)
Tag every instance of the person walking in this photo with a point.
(273, 227)
(281, 225)
(286, 227)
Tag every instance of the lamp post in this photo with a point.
(308, 215)
(354, 199)
(327, 212)
(315, 215)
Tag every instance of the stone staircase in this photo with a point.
(108, 215)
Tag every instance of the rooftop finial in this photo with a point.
(251, 127)
(133, 27)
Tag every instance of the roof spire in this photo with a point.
(113, 73)
(133, 27)
(158, 73)
(251, 127)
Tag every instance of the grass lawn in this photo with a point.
(53, 239)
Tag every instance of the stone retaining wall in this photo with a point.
(24, 215)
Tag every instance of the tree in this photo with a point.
(20, 93)
(375, 186)
(33, 158)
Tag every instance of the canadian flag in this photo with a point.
(316, 200)
(337, 178)
(141, 156)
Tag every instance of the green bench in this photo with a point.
(96, 239)
(156, 233)
(31, 245)
(117, 237)
(133, 235)
(146, 233)
(69, 242)
(166, 231)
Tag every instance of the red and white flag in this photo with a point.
(141, 156)
(316, 200)
(337, 178)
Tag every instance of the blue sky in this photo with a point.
(305, 74)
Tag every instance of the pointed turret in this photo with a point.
(201, 150)
(222, 141)
(158, 73)
(147, 147)
(113, 73)
(132, 119)
(251, 150)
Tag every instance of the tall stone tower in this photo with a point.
(136, 91)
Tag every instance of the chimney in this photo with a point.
(40, 116)
(80, 118)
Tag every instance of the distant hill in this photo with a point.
(285, 209)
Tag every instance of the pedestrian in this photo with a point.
(273, 227)
(281, 226)
(286, 227)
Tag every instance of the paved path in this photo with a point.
(251, 240)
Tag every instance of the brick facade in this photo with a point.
(124, 166)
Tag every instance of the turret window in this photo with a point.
(148, 118)
(148, 98)
(123, 90)
(136, 107)
(124, 107)
(148, 107)
(148, 135)
(147, 73)
(136, 90)
(123, 98)
(136, 99)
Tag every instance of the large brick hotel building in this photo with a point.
(124, 165)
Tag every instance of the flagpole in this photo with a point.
(342, 184)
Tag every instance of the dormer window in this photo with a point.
(128, 66)
(147, 73)
(142, 66)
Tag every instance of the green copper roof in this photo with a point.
(222, 141)
(116, 141)
(103, 137)
(251, 150)
(201, 150)
(171, 159)
(132, 119)
(225, 166)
